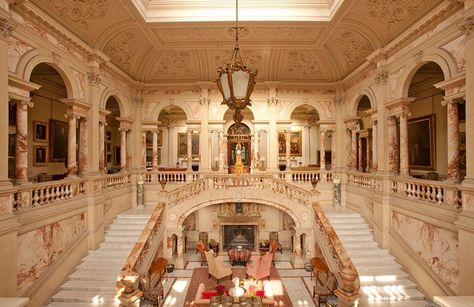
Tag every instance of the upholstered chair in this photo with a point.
(259, 266)
(201, 248)
(217, 267)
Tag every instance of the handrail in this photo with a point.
(223, 182)
(111, 182)
(135, 266)
(365, 180)
(339, 260)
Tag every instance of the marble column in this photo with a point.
(333, 149)
(453, 140)
(404, 163)
(155, 150)
(392, 145)
(123, 149)
(226, 161)
(288, 149)
(221, 150)
(21, 146)
(6, 29)
(374, 166)
(204, 133)
(360, 153)
(83, 146)
(348, 147)
(72, 145)
(101, 146)
(128, 150)
(144, 149)
(353, 149)
(189, 148)
(322, 149)
(272, 148)
(256, 153)
(180, 245)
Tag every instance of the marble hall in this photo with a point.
(231, 153)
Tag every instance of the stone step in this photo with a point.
(404, 282)
(390, 293)
(98, 260)
(417, 303)
(89, 285)
(381, 272)
(88, 275)
(360, 246)
(109, 254)
(121, 239)
(332, 216)
(110, 266)
(338, 227)
(352, 221)
(354, 239)
(382, 260)
(133, 217)
(354, 232)
(122, 233)
(126, 227)
(96, 297)
(98, 270)
(116, 246)
(368, 253)
(130, 222)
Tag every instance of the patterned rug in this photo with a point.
(200, 275)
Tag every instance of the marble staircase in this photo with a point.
(93, 281)
(383, 281)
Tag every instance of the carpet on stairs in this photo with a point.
(201, 275)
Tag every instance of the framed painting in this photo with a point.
(40, 131)
(40, 155)
(149, 138)
(421, 143)
(58, 142)
(295, 143)
(117, 155)
(183, 145)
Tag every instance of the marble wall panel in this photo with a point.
(437, 247)
(39, 248)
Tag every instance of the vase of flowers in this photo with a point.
(220, 289)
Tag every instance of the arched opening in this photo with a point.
(172, 145)
(304, 139)
(112, 139)
(174, 245)
(364, 135)
(239, 149)
(427, 124)
(47, 136)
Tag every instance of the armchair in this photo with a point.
(201, 248)
(217, 267)
(259, 266)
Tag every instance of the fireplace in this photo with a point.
(236, 236)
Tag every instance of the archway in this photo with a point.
(427, 124)
(239, 149)
(304, 138)
(112, 139)
(171, 130)
(47, 137)
(364, 135)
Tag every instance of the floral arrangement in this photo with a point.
(251, 291)
(220, 289)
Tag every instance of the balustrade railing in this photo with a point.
(111, 182)
(338, 259)
(433, 192)
(140, 258)
(222, 182)
(308, 176)
(368, 181)
(170, 177)
(45, 193)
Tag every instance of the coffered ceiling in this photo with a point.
(181, 49)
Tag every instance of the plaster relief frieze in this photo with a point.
(81, 12)
(81, 83)
(175, 64)
(122, 48)
(5, 28)
(301, 64)
(390, 13)
(285, 33)
(457, 49)
(394, 78)
(353, 46)
(253, 58)
(328, 106)
(16, 49)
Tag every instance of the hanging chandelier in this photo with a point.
(236, 81)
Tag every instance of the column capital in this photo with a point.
(272, 101)
(399, 107)
(6, 28)
(352, 123)
(381, 78)
(204, 101)
(94, 78)
(76, 106)
(467, 26)
(22, 101)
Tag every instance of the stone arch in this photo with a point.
(33, 58)
(440, 57)
(245, 121)
(223, 109)
(355, 103)
(290, 108)
(196, 207)
(155, 113)
(106, 94)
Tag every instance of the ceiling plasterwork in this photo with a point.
(391, 13)
(175, 64)
(124, 48)
(302, 64)
(353, 46)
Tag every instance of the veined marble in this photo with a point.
(436, 246)
(39, 248)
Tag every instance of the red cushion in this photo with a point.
(260, 293)
(208, 294)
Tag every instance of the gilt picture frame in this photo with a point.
(422, 143)
(58, 141)
(183, 145)
(295, 143)
(40, 132)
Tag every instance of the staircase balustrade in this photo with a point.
(140, 259)
(338, 260)
(368, 181)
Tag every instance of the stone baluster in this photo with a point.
(72, 144)
(453, 139)
(21, 146)
(392, 145)
(102, 146)
(189, 148)
(84, 145)
(322, 149)
(123, 149)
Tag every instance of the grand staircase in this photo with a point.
(383, 281)
(93, 281)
